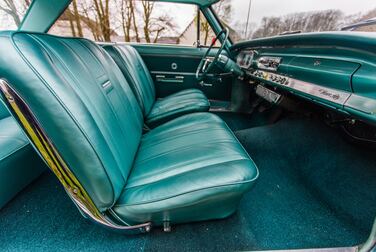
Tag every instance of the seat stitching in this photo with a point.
(183, 134)
(190, 191)
(77, 81)
(217, 162)
(158, 116)
(180, 149)
(57, 98)
(139, 92)
(83, 63)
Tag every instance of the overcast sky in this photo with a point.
(261, 8)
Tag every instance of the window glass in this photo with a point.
(250, 19)
(12, 13)
(131, 21)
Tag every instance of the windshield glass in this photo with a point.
(12, 13)
(251, 19)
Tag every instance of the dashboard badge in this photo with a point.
(317, 63)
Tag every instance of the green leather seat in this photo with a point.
(190, 169)
(155, 111)
(19, 163)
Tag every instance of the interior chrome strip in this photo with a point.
(330, 94)
(55, 162)
(186, 73)
(345, 249)
(361, 103)
(171, 73)
(346, 100)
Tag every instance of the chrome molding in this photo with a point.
(55, 162)
(329, 94)
(346, 100)
(269, 63)
(361, 103)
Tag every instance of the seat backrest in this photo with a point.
(83, 103)
(136, 72)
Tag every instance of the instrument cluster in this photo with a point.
(245, 58)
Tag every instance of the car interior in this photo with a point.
(261, 144)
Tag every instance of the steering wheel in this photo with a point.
(207, 63)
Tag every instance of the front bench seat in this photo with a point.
(156, 112)
(88, 127)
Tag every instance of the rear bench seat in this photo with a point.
(189, 169)
(19, 163)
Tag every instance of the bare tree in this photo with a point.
(224, 10)
(128, 19)
(10, 8)
(155, 26)
(135, 27)
(77, 19)
(160, 25)
(314, 21)
(103, 17)
(91, 22)
(148, 10)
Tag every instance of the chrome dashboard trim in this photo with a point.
(361, 103)
(329, 94)
(269, 63)
(346, 100)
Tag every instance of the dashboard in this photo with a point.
(332, 70)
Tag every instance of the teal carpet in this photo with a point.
(314, 190)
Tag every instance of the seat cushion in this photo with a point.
(19, 163)
(192, 168)
(175, 105)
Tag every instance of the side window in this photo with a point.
(189, 35)
(133, 21)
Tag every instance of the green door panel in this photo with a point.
(173, 69)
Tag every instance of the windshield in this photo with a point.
(251, 19)
(12, 13)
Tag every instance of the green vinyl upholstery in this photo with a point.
(155, 111)
(19, 163)
(189, 169)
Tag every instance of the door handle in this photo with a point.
(204, 84)
(175, 79)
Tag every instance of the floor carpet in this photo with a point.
(314, 190)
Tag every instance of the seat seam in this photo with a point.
(191, 191)
(188, 171)
(54, 94)
(68, 47)
(181, 135)
(139, 92)
(180, 149)
(83, 63)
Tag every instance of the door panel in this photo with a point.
(173, 69)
